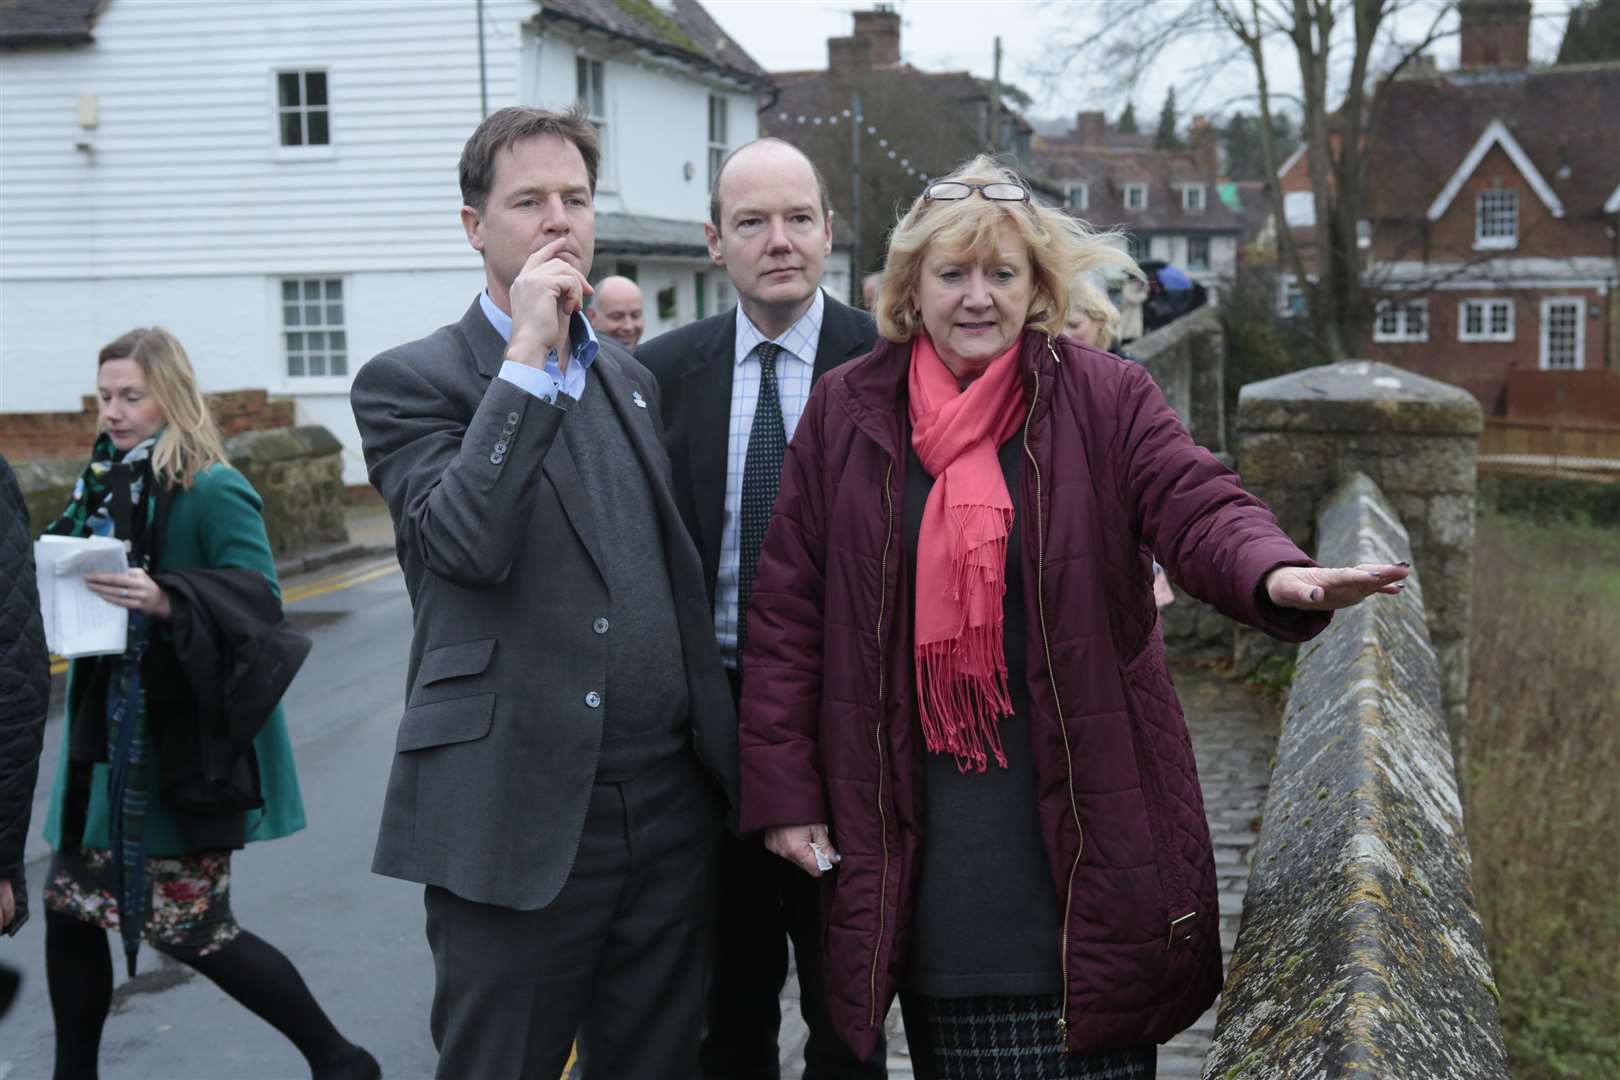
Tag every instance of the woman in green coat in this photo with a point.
(125, 858)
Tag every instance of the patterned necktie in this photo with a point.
(762, 476)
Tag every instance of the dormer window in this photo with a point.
(1192, 198)
(1079, 195)
(1136, 196)
(1496, 219)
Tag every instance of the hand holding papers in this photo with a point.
(77, 621)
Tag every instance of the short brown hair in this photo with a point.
(714, 188)
(504, 127)
(1061, 248)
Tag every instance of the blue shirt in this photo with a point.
(545, 384)
(795, 369)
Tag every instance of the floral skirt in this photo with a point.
(188, 908)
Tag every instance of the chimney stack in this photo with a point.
(880, 28)
(1495, 33)
(1201, 136)
(1091, 128)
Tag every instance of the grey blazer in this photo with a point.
(498, 745)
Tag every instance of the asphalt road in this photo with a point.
(356, 937)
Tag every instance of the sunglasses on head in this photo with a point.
(951, 190)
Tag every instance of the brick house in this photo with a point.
(1168, 202)
(1490, 220)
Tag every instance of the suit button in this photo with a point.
(497, 458)
(511, 418)
(600, 626)
(593, 699)
(500, 448)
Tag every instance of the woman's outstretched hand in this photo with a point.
(1329, 589)
(799, 845)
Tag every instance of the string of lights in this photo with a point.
(871, 130)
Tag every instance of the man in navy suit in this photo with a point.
(733, 388)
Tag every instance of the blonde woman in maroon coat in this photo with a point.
(957, 712)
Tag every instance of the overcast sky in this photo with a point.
(941, 35)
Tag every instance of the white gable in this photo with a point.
(1496, 134)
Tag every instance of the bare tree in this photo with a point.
(1344, 49)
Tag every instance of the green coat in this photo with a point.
(213, 525)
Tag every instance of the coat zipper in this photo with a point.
(1068, 756)
(877, 737)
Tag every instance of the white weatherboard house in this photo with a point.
(276, 182)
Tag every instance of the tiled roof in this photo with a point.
(684, 29)
(821, 93)
(1108, 168)
(47, 22)
(1563, 118)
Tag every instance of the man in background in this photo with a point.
(616, 310)
(733, 388)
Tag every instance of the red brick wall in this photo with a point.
(28, 436)
(1482, 367)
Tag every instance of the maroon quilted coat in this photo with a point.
(828, 723)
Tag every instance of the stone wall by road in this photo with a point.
(297, 471)
(1188, 360)
(1300, 435)
(1361, 951)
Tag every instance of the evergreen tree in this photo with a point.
(1127, 119)
(1245, 154)
(1166, 137)
(1593, 33)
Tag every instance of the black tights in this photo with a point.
(78, 968)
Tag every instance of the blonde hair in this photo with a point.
(1061, 248)
(1086, 297)
(190, 441)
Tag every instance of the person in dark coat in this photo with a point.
(956, 710)
(25, 690)
(130, 854)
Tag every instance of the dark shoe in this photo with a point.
(357, 1065)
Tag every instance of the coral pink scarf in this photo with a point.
(961, 662)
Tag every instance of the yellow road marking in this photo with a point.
(370, 572)
(347, 579)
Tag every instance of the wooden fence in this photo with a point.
(1520, 444)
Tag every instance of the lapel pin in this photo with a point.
(641, 402)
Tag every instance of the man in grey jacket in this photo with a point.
(568, 743)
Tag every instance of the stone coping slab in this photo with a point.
(1361, 951)
(1358, 396)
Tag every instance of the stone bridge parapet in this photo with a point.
(1361, 950)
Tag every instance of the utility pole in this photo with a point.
(857, 121)
(483, 69)
(995, 102)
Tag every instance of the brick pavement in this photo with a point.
(1235, 737)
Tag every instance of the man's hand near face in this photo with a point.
(544, 297)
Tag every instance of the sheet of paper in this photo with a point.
(77, 621)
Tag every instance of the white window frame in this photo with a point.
(1496, 240)
(719, 137)
(1079, 195)
(1288, 286)
(1192, 264)
(305, 151)
(1403, 329)
(1134, 192)
(1188, 200)
(302, 326)
(595, 111)
(1487, 307)
(1549, 302)
(1141, 241)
